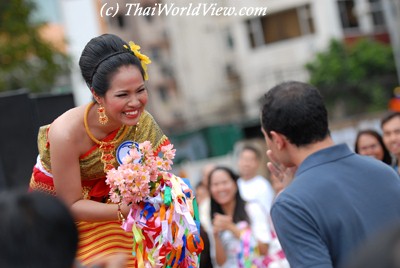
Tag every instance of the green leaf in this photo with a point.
(26, 61)
(354, 78)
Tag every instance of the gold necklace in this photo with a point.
(106, 148)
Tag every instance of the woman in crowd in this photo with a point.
(80, 146)
(240, 232)
(369, 142)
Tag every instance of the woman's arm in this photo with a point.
(221, 223)
(65, 152)
(220, 254)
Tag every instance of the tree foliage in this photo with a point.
(26, 60)
(355, 78)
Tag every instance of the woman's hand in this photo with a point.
(224, 222)
(125, 209)
(221, 222)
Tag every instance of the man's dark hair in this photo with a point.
(36, 231)
(389, 117)
(296, 110)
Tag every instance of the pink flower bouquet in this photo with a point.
(163, 216)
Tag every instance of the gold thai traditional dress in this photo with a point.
(97, 239)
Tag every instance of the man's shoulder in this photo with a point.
(299, 190)
(289, 194)
(371, 167)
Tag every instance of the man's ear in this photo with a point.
(278, 139)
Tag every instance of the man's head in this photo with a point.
(36, 230)
(390, 125)
(249, 162)
(293, 112)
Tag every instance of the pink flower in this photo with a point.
(168, 152)
(131, 181)
(115, 197)
(134, 155)
(145, 148)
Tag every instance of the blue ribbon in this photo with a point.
(150, 211)
(183, 249)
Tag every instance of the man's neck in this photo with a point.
(301, 153)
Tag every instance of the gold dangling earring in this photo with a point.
(103, 119)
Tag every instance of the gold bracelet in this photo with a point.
(120, 216)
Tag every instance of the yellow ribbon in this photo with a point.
(138, 245)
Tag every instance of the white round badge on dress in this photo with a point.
(124, 148)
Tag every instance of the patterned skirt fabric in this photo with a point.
(101, 239)
(96, 239)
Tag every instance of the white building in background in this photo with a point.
(200, 54)
(225, 64)
(81, 23)
(276, 47)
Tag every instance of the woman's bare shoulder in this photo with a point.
(69, 126)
